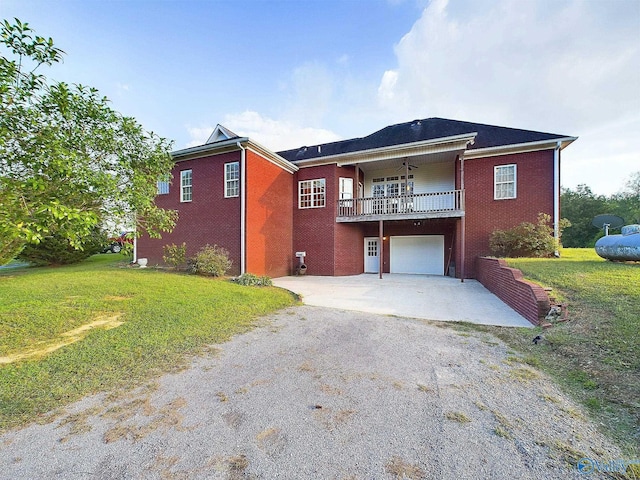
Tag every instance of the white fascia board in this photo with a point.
(272, 157)
(436, 145)
(231, 145)
(208, 149)
(518, 148)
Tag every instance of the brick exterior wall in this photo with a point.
(484, 214)
(269, 235)
(526, 298)
(349, 249)
(208, 219)
(314, 228)
(277, 228)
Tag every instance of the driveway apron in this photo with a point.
(417, 296)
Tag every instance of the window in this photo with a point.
(393, 189)
(372, 248)
(346, 188)
(231, 179)
(504, 185)
(162, 186)
(311, 193)
(407, 187)
(186, 188)
(378, 190)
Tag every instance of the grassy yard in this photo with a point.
(143, 322)
(595, 355)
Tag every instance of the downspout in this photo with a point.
(243, 180)
(556, 197)
(135, 247)
(463, 222)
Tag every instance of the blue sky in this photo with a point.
(293, 73)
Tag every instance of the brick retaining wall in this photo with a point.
(526, 298)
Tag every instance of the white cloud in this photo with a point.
(387, 92)
(567, 67)
(199, 135)
(276, 135)
(311, 90)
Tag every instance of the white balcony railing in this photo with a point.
(440, 202)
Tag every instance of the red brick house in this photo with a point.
(419, 197)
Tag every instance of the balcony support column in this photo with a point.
(381, 247)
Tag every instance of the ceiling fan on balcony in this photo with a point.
(407, 166)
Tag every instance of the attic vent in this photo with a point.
(301, 152)
(416, 123)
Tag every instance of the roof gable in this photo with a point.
(486, 136)
(220, 133)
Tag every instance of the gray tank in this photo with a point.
(622, 248)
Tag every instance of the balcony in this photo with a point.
(404, 207)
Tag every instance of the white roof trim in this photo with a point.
(231, 145)
(518, 148)
(436, 145)
(220, 133)
(272, 157)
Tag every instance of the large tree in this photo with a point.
(68, 161)
(626, 204)
(579, 207)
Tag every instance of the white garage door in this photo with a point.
(418, 254)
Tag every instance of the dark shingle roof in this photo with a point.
(421, 130)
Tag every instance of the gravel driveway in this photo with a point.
(323, 393)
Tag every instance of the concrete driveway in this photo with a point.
(417, 296)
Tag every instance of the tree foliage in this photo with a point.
(581, 205)
(68, 161)
(57, 250)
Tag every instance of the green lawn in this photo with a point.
(595, 355)
(165, 318)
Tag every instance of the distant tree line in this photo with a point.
(579, 206)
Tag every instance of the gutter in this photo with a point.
(194, 152)
(453, 143)
(243, 201)
(519, 148)
(231, 145)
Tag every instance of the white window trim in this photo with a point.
(496, 183)
(230, 181)
(313, 194)
(346, 193)
(162, 187)
(183, 186)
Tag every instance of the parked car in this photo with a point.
(116, 244)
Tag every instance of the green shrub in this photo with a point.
(175, 255)
(526, 239)
(212, 261)
(250, 279)
(56, 250)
